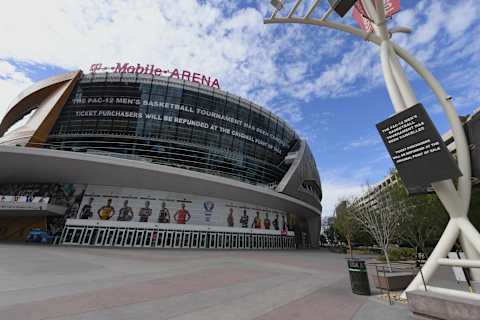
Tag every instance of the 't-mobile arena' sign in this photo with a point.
(151, 69)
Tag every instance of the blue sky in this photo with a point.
(328, 85)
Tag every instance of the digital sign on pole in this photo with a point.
(417, 149)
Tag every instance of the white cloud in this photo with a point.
(357, 71)
(446, 40)
(461, 17)
(296, 72)
(12, 82)
(172, 33)
(429, 29)
(348, 183)
(73, 34)
(406, 18)
(289, 112)
(334, 190)
(362, 142)
(212, 37)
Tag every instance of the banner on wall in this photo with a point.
(142, 205)
(365, 23)
(6, 198)
(197, 117)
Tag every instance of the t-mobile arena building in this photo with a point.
(137, 156)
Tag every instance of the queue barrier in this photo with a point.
(151, 235)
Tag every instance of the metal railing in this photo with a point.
(382, 271)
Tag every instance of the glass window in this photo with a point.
(175, 100)
(174, 91)
(168, 142)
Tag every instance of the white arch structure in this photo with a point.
(455, 200)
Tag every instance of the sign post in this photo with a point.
(455, 198)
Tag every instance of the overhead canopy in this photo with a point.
(30, 209)
(27, 165)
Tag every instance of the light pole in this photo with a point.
(456, 201)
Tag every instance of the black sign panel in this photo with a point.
(473, 135)
(416, 148)
(341, 7)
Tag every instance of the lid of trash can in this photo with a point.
(356, 264)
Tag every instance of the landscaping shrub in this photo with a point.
(400, 254)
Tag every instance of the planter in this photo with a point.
(337, 249)
(393, 281)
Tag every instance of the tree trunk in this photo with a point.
(385, 252)
(349, 242)
(424, 249)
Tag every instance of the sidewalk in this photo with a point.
(41, 282)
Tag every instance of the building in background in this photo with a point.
(375, 197)
(471, 124)
(133, 159)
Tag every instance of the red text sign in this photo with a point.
(151, 69)
(359, 13)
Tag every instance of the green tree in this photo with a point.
(474, 213)
(330, 232)
(345, 223)
(423, 217)
(323, 240)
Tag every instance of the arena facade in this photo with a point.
(125, 158)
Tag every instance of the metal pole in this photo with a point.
(445, 190)
(463, 153)
(455, 201)
(470, 246)
(392, 87)
(447, 193)
(403, 83)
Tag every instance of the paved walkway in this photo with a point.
(40, 282)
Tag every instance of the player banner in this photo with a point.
(142, 205)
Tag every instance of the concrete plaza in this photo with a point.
(44, 282)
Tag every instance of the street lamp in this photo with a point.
(455, 200)
(277, 4)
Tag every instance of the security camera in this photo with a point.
(277, 4)
(399, 29)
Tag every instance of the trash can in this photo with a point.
(358, 277)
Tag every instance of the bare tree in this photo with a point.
(380, 217)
